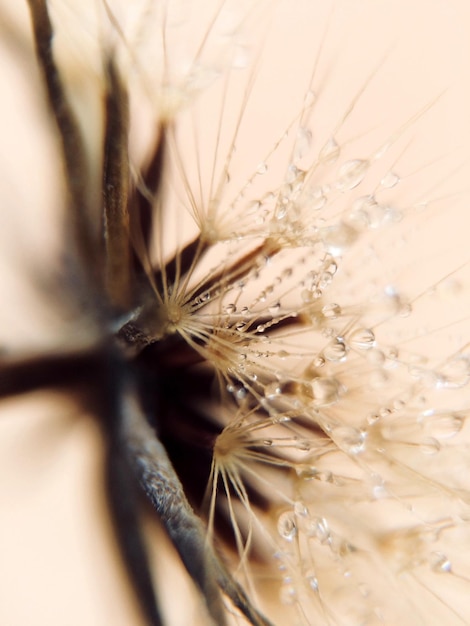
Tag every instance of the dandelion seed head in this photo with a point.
(295, 363)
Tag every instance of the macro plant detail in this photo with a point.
(247, 349)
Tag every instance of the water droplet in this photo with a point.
(316, 199)
(241, 393)
(443, 425)
(330, 151)
(275, 308)
(295, 175)
(326, 391)
(440, 563)
(390, 180)
(362, 339)
(230, 308)
(302, 142)
(312, 581)
(241, 326)
(338, 237)
(318, 527)
(351, 174)
(300, 509)
(262, 168)
(428, 378)
(405, 309)
(272, 389)
(330, 265)
(325, 280)
(286, 526)
(335, 351)
(368, 213)
(456, 373)
(350, 439)
(288, 593)
(331, 311)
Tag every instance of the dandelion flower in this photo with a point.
(248, 300)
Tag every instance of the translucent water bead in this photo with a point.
(331, 311)
(338, 238)
(362, 339)
(326, 391)
(456, 372)
(303, 142)
(350, 439)
(286, 525)
(368, 213)
(390, 180)
(336, 350)
(351, 174)
(442, 425)
(440, 563)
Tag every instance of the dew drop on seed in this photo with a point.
(230, 308)
(390, 180)
(456, 372)
(286, 526)
(319, 528)
(262, 168)
(312, 581)
(405, 310)
(326, 391)
(275, 308)
(272, 390)
(300, 509)
(350, 439)
(443, 426)
(335, 351)
(440, 563)
(288, 593)
(338, 237)
(316, 199)
(241, 326)
(295, 175)
(303, 142)
(331, 311)
(362, 339)
(330, 151)
(306, 472)
(351, 174)
(330, 266)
